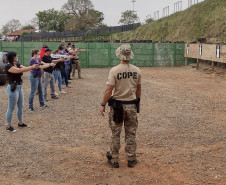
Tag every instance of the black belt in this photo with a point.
(127, 102)
(16, 83)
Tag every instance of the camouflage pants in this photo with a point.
(77, 64)
(130, 125)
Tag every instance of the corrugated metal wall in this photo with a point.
(103, 54)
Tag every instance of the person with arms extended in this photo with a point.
(35, 79)
(123, 96)
(57, 72)
(62, 44)
(48, 74)
(42, 53)
(75, 61)
(65, 70)
(14, 71)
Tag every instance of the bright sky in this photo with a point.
(25, 10)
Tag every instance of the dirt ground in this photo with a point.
(181, 135)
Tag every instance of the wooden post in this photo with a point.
(197, 64)
(213, 66)
(186, 61)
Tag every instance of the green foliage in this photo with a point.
(82, 15)
(28, 27)
(24, 34)
(206, 19)
(52, 20)
(147, 21)
(128, 17)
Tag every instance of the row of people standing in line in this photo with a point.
(14, 89)
(59, 72)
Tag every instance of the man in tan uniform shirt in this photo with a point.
(124, 89)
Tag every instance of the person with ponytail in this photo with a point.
(14, 71)
(35, 79)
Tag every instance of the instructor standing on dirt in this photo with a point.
(123, 96)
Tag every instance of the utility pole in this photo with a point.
(133, 1)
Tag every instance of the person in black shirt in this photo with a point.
(14, 73)
(48, 76)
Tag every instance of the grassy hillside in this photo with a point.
(206, 19)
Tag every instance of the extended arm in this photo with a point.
(46, 65)
(22, 69)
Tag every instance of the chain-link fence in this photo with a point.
(79, 35)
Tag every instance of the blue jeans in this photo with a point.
(15, 98)
(67, 69)
(48, 79)
(64, 76)
(57, 76)
(36, 83)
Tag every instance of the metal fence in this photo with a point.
(103, 54)
(169, 10)
(78, 35)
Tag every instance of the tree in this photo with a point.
(34, 22)
(149, 20)
(11, 26)
(28, 27)
(24, 34)
(82, 15)
(51, 20)
(128, 17)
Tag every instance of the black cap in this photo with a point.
(73, 46)
(47, 49)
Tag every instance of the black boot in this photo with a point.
(131, 164)
(109, 157)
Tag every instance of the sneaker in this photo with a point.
(44, 106)
(62, 92)
(56, 94)
(68, 86)
(113, 164)
(54, 97)
(46, 100)
(31, 110)
(70, 79)
(80, 78)
(10, 129)
(23, 125)
(131, 164)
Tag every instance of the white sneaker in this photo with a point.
(56, 94)
(62, 92)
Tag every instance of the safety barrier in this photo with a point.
(103, 54)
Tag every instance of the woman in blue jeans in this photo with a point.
(14, 73)
(57, 72)
(35, 79)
